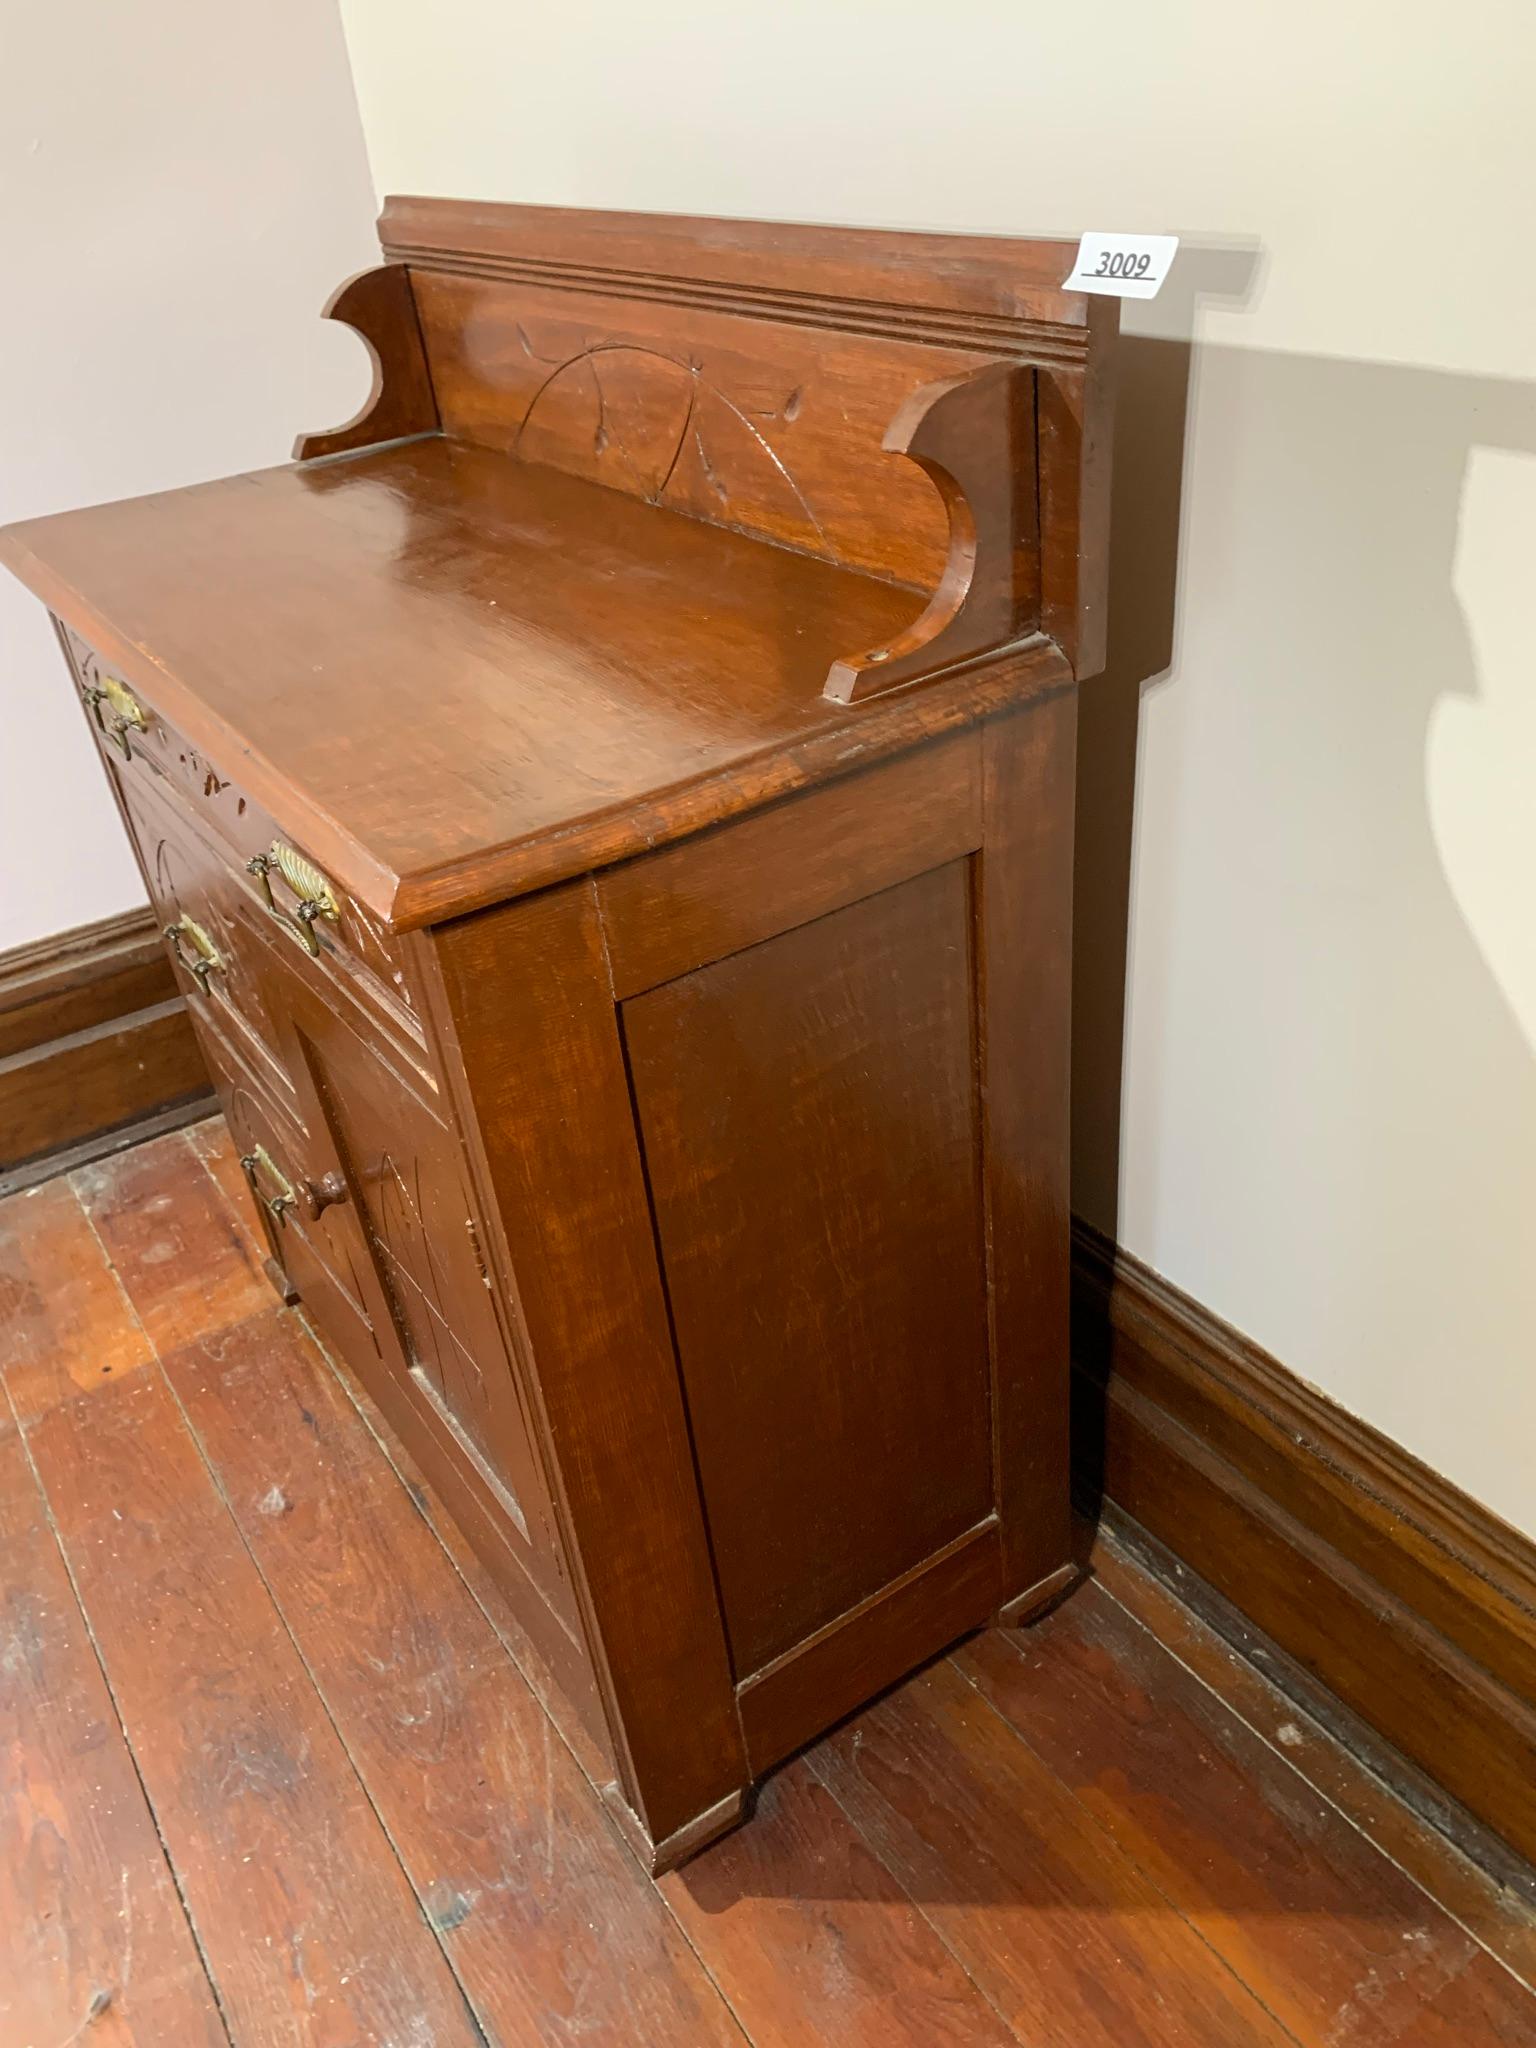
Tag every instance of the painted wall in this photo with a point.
(181, 187)
(1316, 1111)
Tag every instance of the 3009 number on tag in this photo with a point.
(1122, 266)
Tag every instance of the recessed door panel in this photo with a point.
(811, 1128)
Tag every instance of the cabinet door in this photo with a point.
(811, 1124)
(429, 1291)
(314, 1240)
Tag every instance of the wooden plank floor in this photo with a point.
(276, 1768)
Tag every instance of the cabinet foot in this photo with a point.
(683, 1842)
(287, 1293)
(1028, 1603)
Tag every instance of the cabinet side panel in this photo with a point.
(530, 1008)
(812, 1134)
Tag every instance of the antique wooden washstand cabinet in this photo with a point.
(611, 806)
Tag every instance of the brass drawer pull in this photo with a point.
(260, 1161)
(316, 1196)
(127, 712)
(204, 958)
(306, 882)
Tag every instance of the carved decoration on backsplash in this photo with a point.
(750, 423)
(653, 425)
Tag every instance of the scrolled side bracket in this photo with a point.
(974, 435)
(380, 306)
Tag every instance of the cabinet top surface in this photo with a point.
(647, 520)
(454, 675)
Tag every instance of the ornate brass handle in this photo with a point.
(204, 959)
(127, 712)
(306, 882)
(258, 1161)
(313, 1196)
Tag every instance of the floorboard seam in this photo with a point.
(809, 1758)
(387, 1453)
(117, 1714)
(1402, 1783)
(486, 2039)
(1121, 1850)
(1294, 1708)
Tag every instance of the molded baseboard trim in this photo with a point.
(1409, 1601)
(96, 1048)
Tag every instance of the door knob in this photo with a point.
(319, 1195)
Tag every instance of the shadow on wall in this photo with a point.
(1154, 373)
(1327, 1091)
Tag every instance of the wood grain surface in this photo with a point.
(91, 1927)
(615, 515)
(803, 1219)
(634, 548)
(575, 640)
(238, 1625)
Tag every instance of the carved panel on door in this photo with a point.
(405, 1172)
(280, 1167)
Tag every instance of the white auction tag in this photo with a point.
(1122, 266)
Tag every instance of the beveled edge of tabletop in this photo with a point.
(868, 732)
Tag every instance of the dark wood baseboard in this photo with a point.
(1406, 1599)
(95, 1043)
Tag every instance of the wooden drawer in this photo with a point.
(223, 974)
(347, 945)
